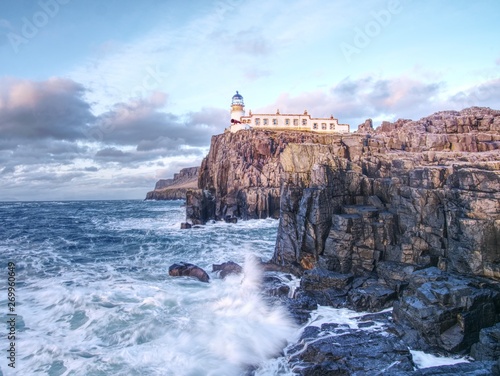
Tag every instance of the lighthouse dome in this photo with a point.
(237, 99)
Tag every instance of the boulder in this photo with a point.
(227, 268)
(184, 269)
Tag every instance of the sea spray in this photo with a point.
(248, 330)
(95, 297)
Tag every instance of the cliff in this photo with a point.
(241, 175)
(406, 216)
(177, 187)
(423, 192)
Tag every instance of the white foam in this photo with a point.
(94, 318)
(343, 316)
(103, 303)
(424, 360)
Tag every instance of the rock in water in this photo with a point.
(227, 268)
(185, 269)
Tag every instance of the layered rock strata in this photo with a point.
(421, 192)
(407, 213)
(240, 177)
(177, 187)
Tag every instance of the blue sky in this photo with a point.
(98, 100)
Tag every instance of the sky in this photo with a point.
(100, 99)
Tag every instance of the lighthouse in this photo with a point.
(281, 121)
(237, 111)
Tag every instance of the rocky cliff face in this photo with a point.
(421, 192)
(407, 214)
(177, 187)
(240, 177)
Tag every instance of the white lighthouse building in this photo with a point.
(237, 111)
(278, 121)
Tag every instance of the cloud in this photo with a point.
(372, 96)
(49, 123)
(484, 94)
(143, 123)
(354, 99)
(253, 73)
(111, 153)
(40, 152)
(51, 109)
(50, 139)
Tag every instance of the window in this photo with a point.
(295, 122)
(323, 126)
(304, 121)
(315, 126)
(332, 126)
(287, 121)
(257, 121)
(275, 121)
(265, 121)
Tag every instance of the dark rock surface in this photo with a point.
(242, 173)
(488, 347)
(448, 310)
(469, 369)
(341, 350)
(184, 269)
(227, 268)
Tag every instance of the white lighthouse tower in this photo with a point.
(237, 111)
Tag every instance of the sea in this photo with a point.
(85, 290)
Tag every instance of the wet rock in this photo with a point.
(200, 204)
(300, 307)
(395, 274)
(371, 297)
(229, 219)
(469, 369)
(184, 269)
(227, 268)
(346, 351)
(275, 286)
(320, 279)
(488, 347)
(185, 225)
(448, 310)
